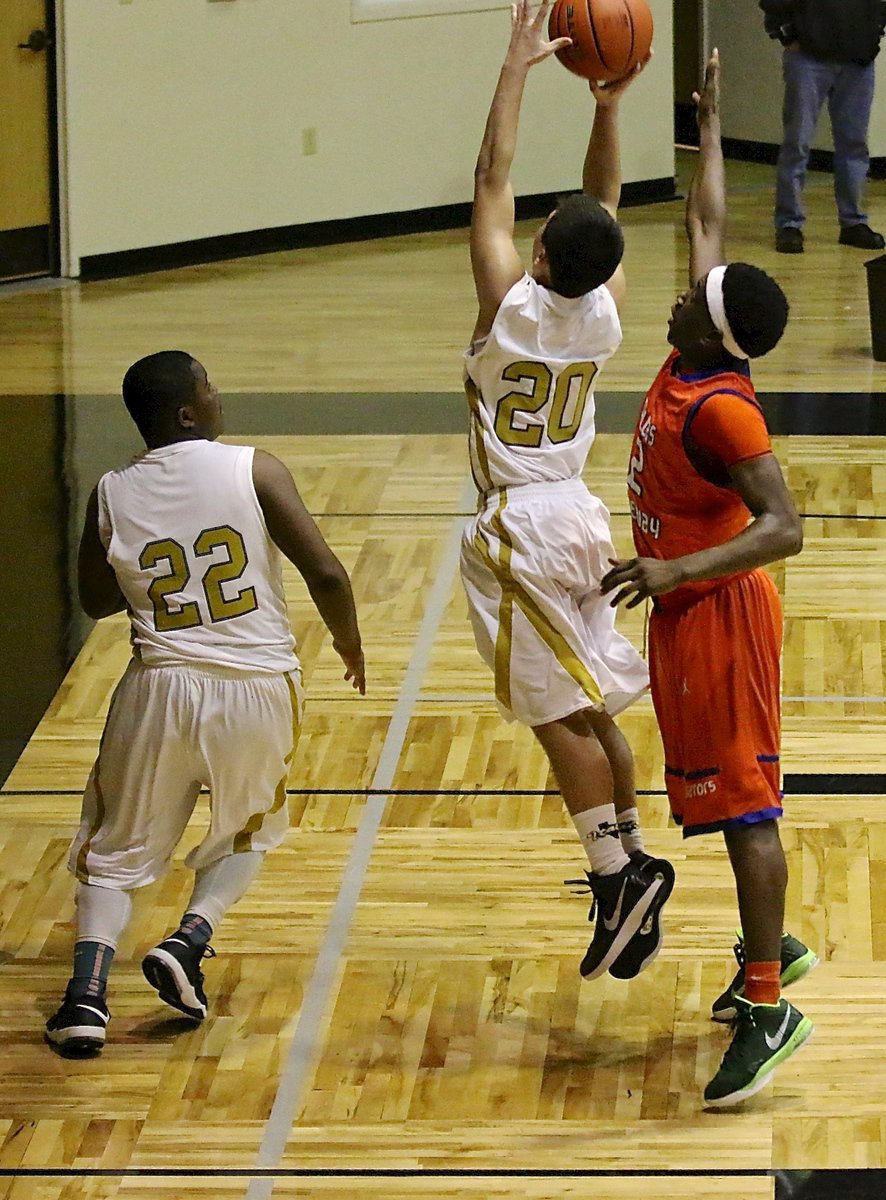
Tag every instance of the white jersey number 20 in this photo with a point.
(570, 395)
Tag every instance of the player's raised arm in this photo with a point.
(294, 531)
(97, 585)
(494, 258)
(601, 175)
(706, 204)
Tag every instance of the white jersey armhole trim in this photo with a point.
(105, 520)
(475, 349)
(245, 463)
(613, 312)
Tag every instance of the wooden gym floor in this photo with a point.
(396, 1009)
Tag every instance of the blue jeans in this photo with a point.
(849, 91)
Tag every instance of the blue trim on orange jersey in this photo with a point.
(674, 771)
(754, 818)
(768, 758)
(704, 773)
(713, 470)
(740, 366)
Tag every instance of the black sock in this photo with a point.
(92, 964)
(196, 928)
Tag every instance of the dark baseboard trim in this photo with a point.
(685, 125)
(649, 191)
(324, 233)
(24, 252)
(767, 152)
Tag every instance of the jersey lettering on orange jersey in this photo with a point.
(679, 488)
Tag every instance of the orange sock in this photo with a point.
(762, 982)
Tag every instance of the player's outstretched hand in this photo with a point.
(528, 42)
(355, 667)
(608, 93)
(707, 102)
(639, 578)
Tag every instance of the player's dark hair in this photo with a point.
(156, 385)
(584, 245)
(756, 308)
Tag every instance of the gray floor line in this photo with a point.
(320, 990)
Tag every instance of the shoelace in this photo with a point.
(585, 888)
(735, 1050)
(585, 884)
(206, 951)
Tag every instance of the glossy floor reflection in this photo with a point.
(830, 1185)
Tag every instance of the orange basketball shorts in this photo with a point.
(715, 679)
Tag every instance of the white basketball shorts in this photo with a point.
(171, 730)
(531, 563)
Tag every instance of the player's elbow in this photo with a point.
(330, 579)
(488, 177)
(792, 537)
(701, 228)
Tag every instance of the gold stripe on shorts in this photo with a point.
(243, 840)
(502, 572)
(81, 870)
(553, 639)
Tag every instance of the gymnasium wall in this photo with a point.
(752, 86)
(187, 119)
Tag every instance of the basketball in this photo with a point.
(609, 37)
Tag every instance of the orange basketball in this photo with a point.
(609, 37)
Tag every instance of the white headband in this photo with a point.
(717, 309)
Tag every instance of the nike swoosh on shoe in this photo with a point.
(612, 923)
(774, 1042)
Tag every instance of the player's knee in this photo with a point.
(756, 838)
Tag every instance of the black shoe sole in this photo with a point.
(76, 1047)
(162, 979)
(862, 246)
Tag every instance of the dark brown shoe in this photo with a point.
(862, 237)
(789, 240)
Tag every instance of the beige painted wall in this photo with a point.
(752, 81)
(185, 119)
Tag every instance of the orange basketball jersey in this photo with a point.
(692, 428)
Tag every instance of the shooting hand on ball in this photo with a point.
(610, 93)
(528, 43)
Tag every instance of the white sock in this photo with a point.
(629, 830)
(599, 835)
(102, 914)
(222, 883)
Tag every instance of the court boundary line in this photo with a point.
(398, 792)
(390, 1172)
(410, 516)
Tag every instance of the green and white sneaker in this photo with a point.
(765, 1035)
(796, 961)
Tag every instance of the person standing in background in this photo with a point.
(829, 52)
